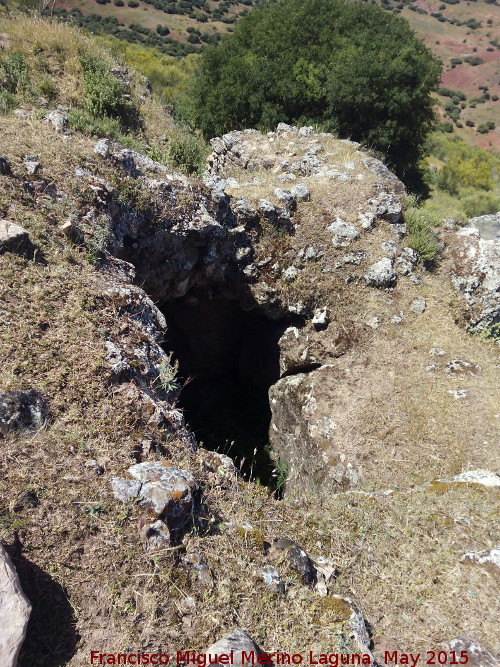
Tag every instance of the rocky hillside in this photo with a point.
(240, 405)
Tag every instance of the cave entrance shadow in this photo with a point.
(51, 636)
(228, 359)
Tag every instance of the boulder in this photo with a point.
(475, 271)
(170, 493)
(22, 409)
(15, 611)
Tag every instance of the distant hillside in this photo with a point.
(465, 34)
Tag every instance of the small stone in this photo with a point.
(21, 113)
(461, 367)
(301, 192)
(197, 564)
(418, 305)
(389, 248)
(289, 274)
(58, 120)
(397, 319)
(310, 254)
(92, 463)
(373, 322)
(251, 271)
(305, 131)
(102, 148)
(366, 220)
(272, 579)
(381, 274)
(343, 233)
(320, 318)
(458, 394)
(31, 165)
(436, 352)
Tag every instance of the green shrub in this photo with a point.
(48, 88)
(105, 95)
(476, 203)
(14, 74)
(185, 151)
(421, 236)
(84, 122)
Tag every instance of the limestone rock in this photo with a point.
(489, 559)
(22, 409)
(483, 477)
(301, 192)
(343, 233)
(477, 655)
(14, 238)
(418, 305)
(171, 493)
(285, 197)
(102, 148)
(381, 274)
(461, 367)
(273, 579)
(488, 226)
(237, 641)
(58, 120)
(14, 611)
(31, 165)
(475, 256)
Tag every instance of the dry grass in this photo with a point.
(79, 552)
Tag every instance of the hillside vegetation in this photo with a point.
(81, 553)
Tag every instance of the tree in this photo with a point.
(348, 67)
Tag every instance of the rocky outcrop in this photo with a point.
(14, 611)
(475, 252)
(489, 559)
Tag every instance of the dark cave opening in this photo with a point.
(228, 358)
